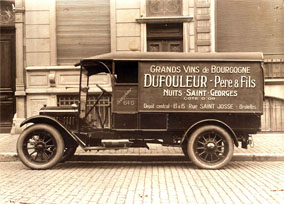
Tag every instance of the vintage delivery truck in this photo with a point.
(205, 103)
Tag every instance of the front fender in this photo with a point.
(55, 123)
(40, 119)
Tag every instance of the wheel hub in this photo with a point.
(211, 145)
(40, 147)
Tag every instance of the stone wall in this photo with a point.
(40, 33)
(128, 31)
(203, 25)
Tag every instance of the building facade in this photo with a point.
(52, 35)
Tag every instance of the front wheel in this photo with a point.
(210, 147)
(40, 146)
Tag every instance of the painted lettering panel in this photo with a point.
(200, 87)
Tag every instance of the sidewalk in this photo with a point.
(267, 147)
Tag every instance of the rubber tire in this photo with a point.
(59, 147)
(205, 165)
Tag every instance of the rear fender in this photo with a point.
(66, 134)
(209, 122)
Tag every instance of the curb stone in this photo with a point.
(259, 157)
(11, 157)
(8, 157)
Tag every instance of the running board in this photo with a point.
(118, 144)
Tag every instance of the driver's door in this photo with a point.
(95, 103)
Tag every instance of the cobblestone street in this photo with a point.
(136, 182)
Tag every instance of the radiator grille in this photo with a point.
(69, 121)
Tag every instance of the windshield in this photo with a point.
(83, 93)
(95, 99)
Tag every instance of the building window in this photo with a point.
(164, 8)
(7, 16)
(82, 29)
(166, 37)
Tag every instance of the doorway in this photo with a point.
(166, 37)
(7, 78)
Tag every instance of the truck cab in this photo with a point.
(206, 103)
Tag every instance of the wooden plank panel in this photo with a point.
(83, 29)
(273, 115)
(5, 68)
(265, 117)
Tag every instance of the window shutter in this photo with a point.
(83, 29)
(249, 25)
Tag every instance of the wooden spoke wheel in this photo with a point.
(210, 147)
(40, 146)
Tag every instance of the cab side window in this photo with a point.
(126, 72)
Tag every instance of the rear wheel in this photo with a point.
(210, 147)
(40, 146)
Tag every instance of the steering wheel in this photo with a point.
(103, 90)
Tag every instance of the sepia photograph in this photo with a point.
(141, 101)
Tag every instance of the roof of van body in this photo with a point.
(175, 56)
(101, 63)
